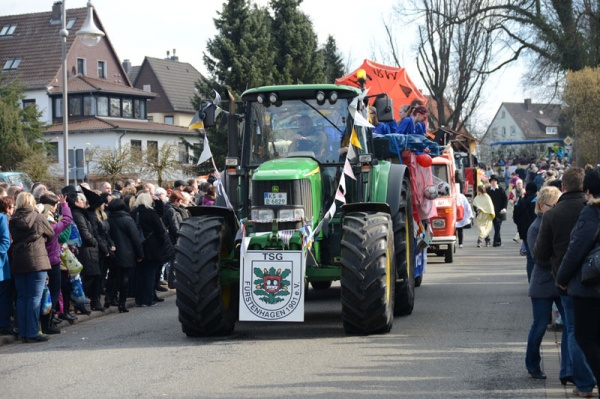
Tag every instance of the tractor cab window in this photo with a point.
(298, 126)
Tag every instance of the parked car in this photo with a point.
(17, 179)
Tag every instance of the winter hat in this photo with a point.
(94, 200)
(493, 177)
(68, 189)
(531, 187)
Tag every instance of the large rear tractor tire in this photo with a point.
(404, 244)
(205, 307)
(368, 273)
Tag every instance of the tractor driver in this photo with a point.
(307, 138)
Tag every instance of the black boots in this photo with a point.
(48, 324)
(123, 309)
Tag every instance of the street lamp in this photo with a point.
(88, 158)
(90, 36)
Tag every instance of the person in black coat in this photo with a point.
(129, 251)
(154, 233)
(106, 246)
(87, 254)
(586, 298)
(523, 216)
(551, 245)
(500, 201)
(174, 215)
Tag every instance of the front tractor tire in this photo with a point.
(206, 308)
(368, 273)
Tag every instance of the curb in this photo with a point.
(81, 318)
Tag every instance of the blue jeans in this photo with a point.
(6, 301)
(542, 316)
(581, 372)
(29, 300)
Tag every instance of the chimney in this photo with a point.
(127, 66)
(168, 54)
(174, 57)
(527, 104)
(56, 17)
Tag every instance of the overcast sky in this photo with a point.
(151, 28)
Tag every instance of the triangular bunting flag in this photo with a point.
(217, 99)
(348, 169)
(206, 153)
(196, 122)
(354, 139)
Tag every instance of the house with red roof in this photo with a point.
(105, 108)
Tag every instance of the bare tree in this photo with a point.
(112, 162)
(161, 162)
(453, 58)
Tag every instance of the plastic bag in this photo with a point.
(69, 261)
(74, 237)
(77, 294)
(46, 306)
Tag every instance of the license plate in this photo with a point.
(275, 198)
(443, 246)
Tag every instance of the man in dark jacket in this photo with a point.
(551, 245)
(500, 201)
(523, 216)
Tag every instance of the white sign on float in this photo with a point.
(272, 286)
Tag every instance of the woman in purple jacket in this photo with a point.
(50, 202)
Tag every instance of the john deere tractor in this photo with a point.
(293, 212)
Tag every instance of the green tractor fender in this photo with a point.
(224, 212)
(393, 197)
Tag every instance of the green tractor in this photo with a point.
(292, 214)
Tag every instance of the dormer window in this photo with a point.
(11, 64)
(8, 30)
(551, 130)
(71, 23)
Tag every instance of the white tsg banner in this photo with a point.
(272, 286)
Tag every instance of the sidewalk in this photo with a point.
(9, 339)
(551, 366)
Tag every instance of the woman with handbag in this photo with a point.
(50, 202)
(586, 296)
(29, 231)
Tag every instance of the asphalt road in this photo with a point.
(465, 339)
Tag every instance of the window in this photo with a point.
(153, 150)
(503, 131)
(115, 107)
(75, 106)
(11, 64)
(139, 109)
(89, 106)
(70, 23)
(503, 115)
(513, 130)
(28, 102)
(127, 108)
(169, 120)
(184, 154)
(551, 130)
(58, 108)
(81, 66)
(136, 146)
(52, 152)
(147, 88)
(8, 30)
(101, 70)
(102, 106)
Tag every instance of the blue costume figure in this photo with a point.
(407, 126)
(419, 115)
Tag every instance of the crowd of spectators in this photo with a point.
(121, 241)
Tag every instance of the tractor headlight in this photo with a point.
(262, 215)
(291, 214)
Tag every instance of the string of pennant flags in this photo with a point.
(308, 233)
